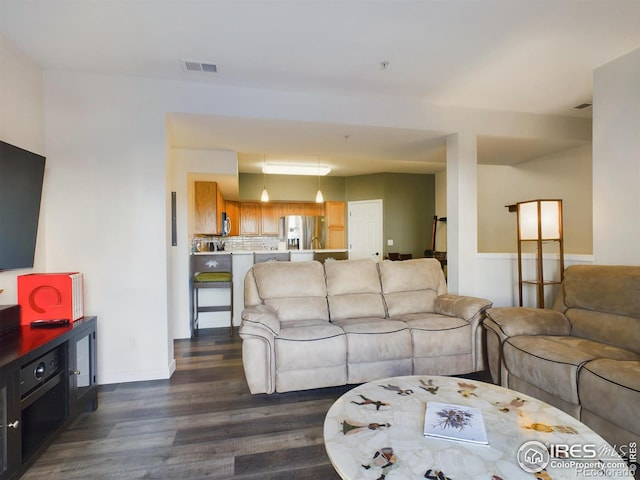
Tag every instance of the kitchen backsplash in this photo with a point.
(240, 243)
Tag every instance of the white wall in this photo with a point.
(441, 210)
(107, 216)
(107, 184)
(566, 175)
(108, 198)
(462, 216)
(497, 277)
(616, 161)
(187, 166)
(21, 124)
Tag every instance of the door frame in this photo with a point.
(380, 204)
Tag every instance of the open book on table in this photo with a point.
(455, 422)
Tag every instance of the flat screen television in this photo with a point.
(21, 177)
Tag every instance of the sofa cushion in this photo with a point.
(411, 286)
(603, 288)
(304, 345)
(295, 290)
(374, 339)
(611, 390)
(353, 289)
(553, 362)
(352, 276)
(360, 305)
(310, 308)
(618, 330)
(547, 363)
(436, 335)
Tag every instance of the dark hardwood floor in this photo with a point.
(201, 423)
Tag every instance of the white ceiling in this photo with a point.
(534, 56)
(348, 150)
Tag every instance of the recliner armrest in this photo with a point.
(461, 306)
(260, 320)
(511, 321)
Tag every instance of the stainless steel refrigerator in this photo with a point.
(303, 232)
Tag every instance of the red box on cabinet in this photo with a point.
(49, 296)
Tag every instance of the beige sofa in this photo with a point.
(582, 356)
(307, 325)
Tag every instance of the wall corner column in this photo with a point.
(462, 212)
(616, 161)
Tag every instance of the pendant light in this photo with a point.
(319, 197)
(265, 195)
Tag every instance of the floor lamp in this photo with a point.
(540, 222)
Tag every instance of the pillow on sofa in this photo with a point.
(295, 290)
(602, 302)
(411, 286)
(353, 289)
(603, 288)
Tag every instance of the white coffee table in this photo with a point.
(375, 431)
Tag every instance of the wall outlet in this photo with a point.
(390, 243)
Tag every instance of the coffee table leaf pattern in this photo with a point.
(383, 458)
(350, 427)
(435, 475)
(374, 432)
(367, 401)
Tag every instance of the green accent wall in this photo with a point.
(290, 188)
(408, 200)
(408, 207)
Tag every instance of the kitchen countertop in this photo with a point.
(251, 252)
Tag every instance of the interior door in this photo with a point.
(365, 229)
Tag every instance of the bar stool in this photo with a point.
(210, 271)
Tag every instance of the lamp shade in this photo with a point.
(540, 219)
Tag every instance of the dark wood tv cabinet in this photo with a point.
(47, 379)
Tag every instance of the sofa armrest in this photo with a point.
(260, 320)
(461, 306)
(511, 321)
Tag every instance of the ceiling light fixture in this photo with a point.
(319, 197)
(295, 169)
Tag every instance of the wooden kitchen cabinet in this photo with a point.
(291, 208)
(208, 207)
(335, 215)
(312, 209)
(270, 218)
(257, 218)
(250, 218)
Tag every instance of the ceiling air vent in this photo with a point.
(191, 66)
(582, 106)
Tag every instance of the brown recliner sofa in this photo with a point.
(583, 355)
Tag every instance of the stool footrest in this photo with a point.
(215, 308)
(201, 285)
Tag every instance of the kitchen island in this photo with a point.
(242, 261)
